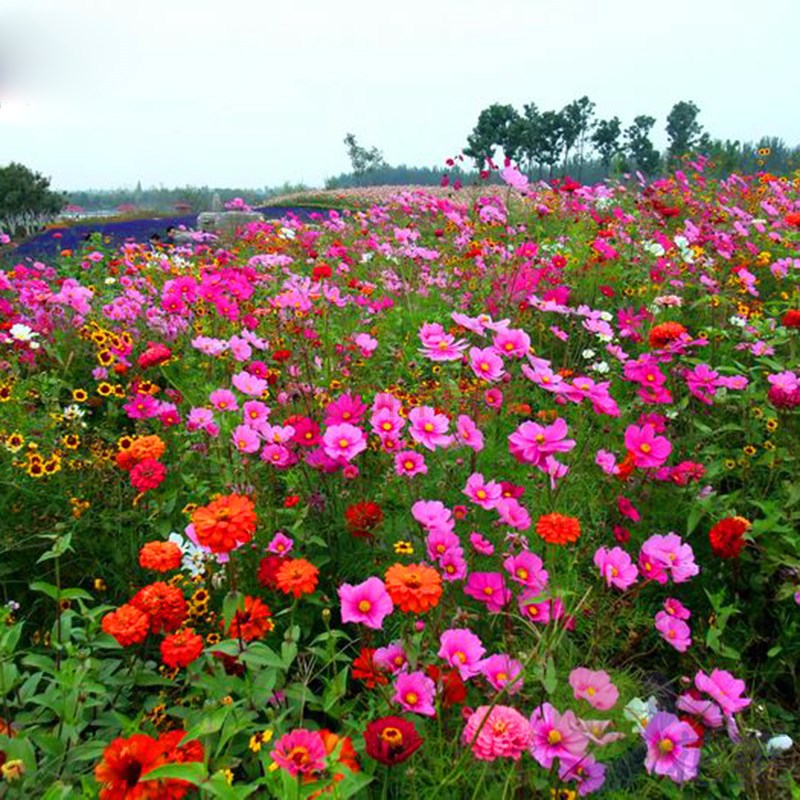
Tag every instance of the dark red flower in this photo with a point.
(362, 519)
(365, 670)
(391, 740)
(727, 537)
(791, 319)
(267, 574)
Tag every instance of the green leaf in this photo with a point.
(45, 588)
(234, 601)
(193, 772)
(217, 786)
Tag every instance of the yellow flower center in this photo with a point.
(554, 737)
(364, 606)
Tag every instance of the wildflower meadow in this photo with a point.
(487, 493)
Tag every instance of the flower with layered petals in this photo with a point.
(494, 732)
(413, 588)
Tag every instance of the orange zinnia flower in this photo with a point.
(128, 625)
(558, 528)
(251, 623)
(160, 556)
(147, 447)
(661, 335)
(225, 523)
(164, 604)
(414, 588)
(297, 576)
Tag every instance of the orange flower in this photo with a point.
(558, 528)
(661, 335)
(181, 648)
(225, 523)
(147, 447)
(297, 576)
(414, 588)
(128, 625)
(160, 556)
(164, 604)
(253, 622)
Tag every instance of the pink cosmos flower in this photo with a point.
(255, 412)
(142, 406)
(385, 422)
(280, 544)
(433, 515)
(482, 493)
(367, 603)
(702, 382)
(595, 731)
(494, 732)
(429, 428)
(493, 398)
(480, 544)
(648, 449)
(249, 384)
(503, 672)
(708, 711)
(589, 773)
(365, 343)
(463, 650)
(486, 364)
(488, 588)
(439, 542)
(468, 434)
(555, 736)
(527, 568)
(344, 441)
(724, 688)
(652, 565)
(616, 567)
(391, 659)
(300, 752)
(512, 342)
(540, 610)
(345, 409)
(415, 691)
(676, 556)
(531, 443)
(676, 609)
(671, 748)
(513, 513)
(278, 456)
(453, 564)
(594, 687)
(223, 400)
(245, 439)
(410, 463)
(607, 462)
(674, 631)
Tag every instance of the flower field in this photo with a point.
(449, 495)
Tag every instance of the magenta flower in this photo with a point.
(245, 439)
(502, 672)
(513, 513)
(386, 423)
(676, 556)
(410, 463)
(482, 493)
(429, 428)
(415, 691)
(486, 364)
(468, 434)
(512, 342)
(531, 443)
(493, 398)
(463, 650)
(367, 603)
(494, 732)
(433, 515)
(589, 773)
(652, 565)
(724, 688)
(628, 509)
(453, 564)
(708, 711)
(223, 400)
(345, 409)
(143, 406)
(616, 567)
(280, 544)
(671, 748)
(439, 542)
(278, 455)
(527, 569)
(344, 441)
(300, 752)
(488, 588)
(555, 736)
(595, 688)
(648, 449)
(702, 382)
(674, 631)
(676, 609)
(391, 659)
(480, 544)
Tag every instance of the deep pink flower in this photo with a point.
(555, 736)
(345, 409)
(674, 631)
(486, 364)
(676, 609)
(671, 747)
(531, 442)
(482, 493)
(527, 569)
(300, 752)
(594, 687)
(503, 672)
(415, 692)
(410, 463)
(648, 449)
(589, 773)
(463, 650)
(512, 342)
(480, 544)
(616, 567)
(497, 732)
(280, 544)
(724, 688)
(391, 658)
(708, 711)
(344, 441)
(429, 428)
(367, 603)
(468, 434)
(676, 555)
(488, 588)
(453, 565)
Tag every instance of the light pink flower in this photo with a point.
(671, 747)
(429, 428)
(497, 732)
(280, 544)
(344, 441)
(415, 691)
(463, 650)
(674, 631)
(223, 400)
(616, 567)
(594, 687)
(367, 603)
(245, 439)
(482, 493)
(467, 433)
(512, 342)
(391, 658)
(555, 736)
(724, 688)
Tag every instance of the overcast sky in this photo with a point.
(252, 93)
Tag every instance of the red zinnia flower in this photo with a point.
(125, 762)
(362, 519)
(726, 537)
(558, 528)
(297, 576)
(160, 556)
(791, 319)
(661, 335)
(164, 604)
(391, 740)
(128, 625)
(251, 623)
(181, 648)
(267, 574)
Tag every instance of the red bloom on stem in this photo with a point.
(267, 574)
(181, 648)
(225, 523)
(147, 474)
(452, 688)
(251, 623)
(791, 319)
(361, 519)
(391, 740)
(128, 625)
(727, 537)
(160, 556)
(165, 605)
(664, 333)
(365, 670)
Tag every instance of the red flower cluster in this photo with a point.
(164, 605)
(156, 353)
(252, 622)
(126, 763)
(141, 461)
(727, 537)
(160, 556)
(791, 319)
(181, 648)
(365, 670)
(362, 519)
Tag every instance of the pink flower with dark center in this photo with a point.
(671, 748)
(555, 736)
(367, 603)
(344, 441)
(410, 463)
(648, 449)
(503, 672)
(527, 568)
(482, 493)
(594, 687)
(616, 567)
(415, 692)
(429, 428)
(486, 364)
(488, 588)
(494, 732)
(463, 650)
(674, 631)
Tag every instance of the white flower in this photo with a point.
(587, 354)
(601, 367)
(739, 322)
(73, 412)
(194, 557)
(654, 248)
(640, 712)
(681, 241)
(287, 233)
(606, 316)
(779, 744)
(22, 333)
(109, 281)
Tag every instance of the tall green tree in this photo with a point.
(498, 126)
(683, 129)
(26, 200)
(576, 125)
(362, 160)
(550, 139)
(606, 139)
(639, 147)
